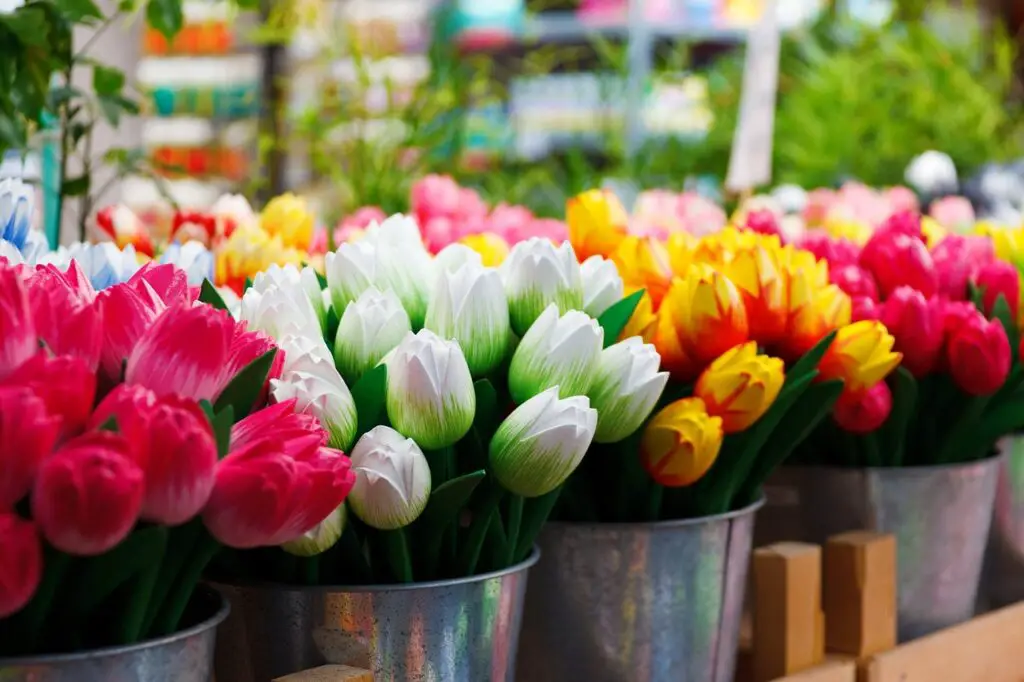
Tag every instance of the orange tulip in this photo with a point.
(643, 263)
(597, 223)
(708, 313)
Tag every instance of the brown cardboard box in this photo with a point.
(859, 572)
(329, 673)
(788, 621)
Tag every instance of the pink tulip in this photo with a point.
(168, 281)
(65, 322)
(819, 203)
(438, 232)
(952, 212)
(27, 435)
(896, 259)
(65, 384)
(917, 324)
(902, 199)
(72, 283)
(957, 259)
(433, 196)
(21, 563)
(88, 494)
(995, 279)
(546, 228)
(837, 252)
(173, 444)
(471, 208)
(18, 340)
(357, 222)
(865, 411)
(509, 220)
(979, 355)
(247, 346)
(281, 419)
(863, 308)
(128, 310)
(763, 222)
(855, 281)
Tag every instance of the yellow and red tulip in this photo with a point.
(674, 359)
(825, 309)
(740, 386)
(681, 443)
(643, 263)
(861, 355)
(708, 312)
(597, 223)
(757, 273)
(643, 322)
(287, 217)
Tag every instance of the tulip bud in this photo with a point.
(708, 312)
(995, 279)
(469, 306)
(674, 359)
(370, 327)
(305, 354)
(21, 563)
(837, 252)
(979, 355)
(626, 386)
(757, 273)
(862, 308)
(454, 256)
(855, 281)
(865, 411)
(897, 259)
(65, 384)
(956, 259)
(279, 310)
(350, 270)
(542, 442)
(643, 322)
(27, 433)
(104, 264)
(392, 479)
(430, 394)
(320, 538)
(556, 351)
(860, 355)
(293, 282)
(740, 386)
(597, 223)
(88, 495)
(602, 285)
(681, 443)
(537, 274)
(644, 263)
(817, 311)
(916, 324)
(287, 217)
(325, 396)
(18, 340)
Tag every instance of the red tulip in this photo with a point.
(862, 308)
(88, 494)
(865, 411)
(957, 259)
(168, 281)
(763, 222)
(27, 435)
(66, 385)
(978, 355)
(917, 324)
(18, 340)
(995, 279)
(837, 252)
(128, 311)
(21, 563)
(854, 280)
(172, 442)
(896, 259)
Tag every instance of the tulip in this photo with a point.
(602, 285)
(681, 443)
(392, 479)
(813, 315)
(597, 223)
(66, 384)
(917, 324)
(294, 281)
(837, 252)
(120, 225)
(674, 359)
(708, 313)
(931, 173)
(17, 201)
(430, 395)
(740, 386)
(172, 442)
(27, 436)
(280, 310)
(66, 324)
(287, 217)
(860, 355)
(643, 322)
(537, 274)
(127, 311)
(454, 256)
(305, 354)
(952, 212)
(104, 264)
(193, 227)
(493, 249)
(396, 230)
(855, 281)
(469, 306)
(644, 263)
(539, 445)
(248, 251)
(355, 267)
(88, 495)
(958, 258)
(626, 386)
(325, 396)
(864, 411)
(862, 308)
(320, 538)
(21, 563)
(979, 355)
(370, 327)
(556, 351)
(996, 279)
(193, 258)
(757, 273)
(18, 340)
(168, 281)
(763, 222)
(896, 259)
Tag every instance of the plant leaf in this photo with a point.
(809, 362)
(615, 319)
(105, 573)
(369, 394)
(106, 80)
(165, 16)
(243, 391)
(209, 294)
(893, 433)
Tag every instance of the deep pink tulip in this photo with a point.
(855, 281)
(763, 222)
(21, 563)
(28, 434)
(918, 325)
(837, 252)
(995, 279)
(863, 308)
(896, 259)
(65, 322)
(979, 355)
(168, 281)
(280, 419)
(902, 199)
(865, 411)
(65, 384)
(433, 196)
(957, 259)
(128, 310)
(906, 222)
(18, 340)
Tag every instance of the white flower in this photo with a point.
(290, 278)
(542, 442)
(104, 264)
(279, 311)
(350, 270)
(231, 300)
(192, 257)
(430, 394)
(396, 230)
(556, 351)
(323, 394)
(626, 388)
(791, 198)
(370, 327)
(17, 203)
(602, 285)
(392, 479)
(469, 306)
(454, 256)
(537, 274)
(320, 538)
(234, 207)
(306, 354)
(9, 251)
(931, 172)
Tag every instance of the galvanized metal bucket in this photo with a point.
(185, 656)
(1003, 583)
(646, 602)
(464, 630)
(940, 516)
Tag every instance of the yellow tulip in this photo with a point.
(642, 322)
(674, 359)
(843, 228)
(248, 251)
(492, 248)
(680, 246)
(740, 386)
(681, 443)
(287, 217)
(826, 308)
(597, 223)
(933, 232)
(758, 273)
(643, 263)
(708, 313)
(861, 355)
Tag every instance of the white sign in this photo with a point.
(750, 163)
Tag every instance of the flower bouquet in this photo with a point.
(468, 395)
(135, 443)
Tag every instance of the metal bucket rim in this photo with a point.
(663, 525)
(926, 468)
(209, 624)
(522, 566)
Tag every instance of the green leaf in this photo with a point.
(165, 16)
(615, 319)
(78, 11)
(443, 509)
(809, 362)
(209, 294)
(110, 424)
(536, 511)
(248, 285)
(398, 554)
(75, 187)
(221, 423)
(29, 24)
(107, 80)
(245, 388)
(105, 573)
(1001, 311)
(369, 394)
(893, 433)
(321, 280)
(483, 516)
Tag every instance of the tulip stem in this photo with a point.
(398, 554)
(174, 607)
(515, 520)
(469, 556)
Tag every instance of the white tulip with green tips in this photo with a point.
(468, 306)
(558, 350)
(279, 311)
(542, 442)
(626, 387)
(369, 329)
(350, 270)
(320, 538)
(292, 279)
(323, 394)
(392, 479)
(537, 274)
(602, 285)
(430, 394)
(454, 256)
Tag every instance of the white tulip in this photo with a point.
(430, 394)
(602, 285)
(396, 230)
(307, 354)
(370, 327)
(234, 207)
(454, 256)
(104, 264)
(791, 198)
(194, 258)
(350, 270)
(626, 387)
(320, 538)
(556, 351)
(292, 279)
(392, 479)
(931, 172)
(11, 253)
(469, 306)
(279, 311)
(536, 274)
(324, 395)
(542, 442)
